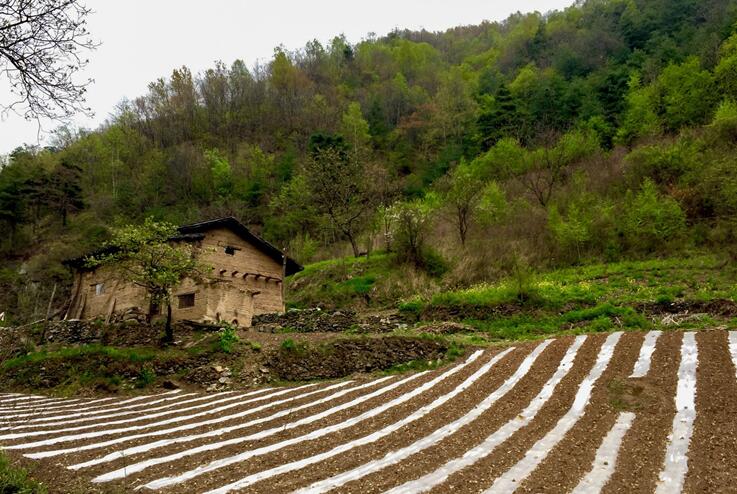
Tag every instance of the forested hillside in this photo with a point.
(602, 132)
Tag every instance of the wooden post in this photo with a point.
(48, 314)
(284, 280)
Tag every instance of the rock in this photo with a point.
(224, 380)
(168, 384)
(218, 368)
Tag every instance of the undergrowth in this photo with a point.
(14, 480)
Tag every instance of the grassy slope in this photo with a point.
(365, 282)
(590, 298)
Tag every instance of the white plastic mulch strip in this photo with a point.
(19, 397)
(84, 405)
(139, 418)
(102, 404)
(394, 457)
(314, 434)
(144, 448)
(38, 405)
(102, 414)
(181, 418)
(733, 348)
(28, 401)
(606, 457)
(437, 477)
(513, 477)
(675, 466)
(137, 467)
(71, 418)
(642, 366)
(164, 432)
(52, 410)
(368, 439)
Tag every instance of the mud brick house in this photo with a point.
(246, 280)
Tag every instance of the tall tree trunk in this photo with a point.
(354, 245)
(169, 338)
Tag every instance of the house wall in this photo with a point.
(241, 285)
(116, 296)
(248, 269)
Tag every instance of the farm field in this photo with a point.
(624, 412)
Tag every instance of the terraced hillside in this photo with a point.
(624, 412)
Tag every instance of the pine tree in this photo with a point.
(499, 118)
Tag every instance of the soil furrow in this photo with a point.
(343, 427)
(239, 421)
(571, 458)
(107, 428)
(494, 435)
(119, 434)
(712, 463)
(483, 472)
(400, 455)
(386, 429)
(675, 465)
(651, 398)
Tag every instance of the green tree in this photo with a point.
(65, 192)
(471, 199)
(652, 220)
(726, 71)
(222, 175)
(356, 130)
(411, 222)
(149, 256)
(688, 94)
(547, 167)
(337, 186)
(641, 114)
(498, 118)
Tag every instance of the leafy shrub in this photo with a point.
(724, 124)
(15, 480)
(228, 338)
(289, 345)
(652, 220)
(665, 164)
(522, 281)
(433, 263)
(146, 377)
(411, 222)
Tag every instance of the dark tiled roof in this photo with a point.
(242, 231)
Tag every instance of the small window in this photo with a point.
(186, 301)
(99, 289)
(230, 250)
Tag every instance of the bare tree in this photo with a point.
(41, 50)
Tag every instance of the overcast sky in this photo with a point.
(145, 39)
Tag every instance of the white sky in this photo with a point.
(143, 40)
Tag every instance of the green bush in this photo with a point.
(291, 346)
(15, 480)
(652, 220)
(146, 377)
(228, 338)
(724, 124)
(433, 263)
(665, 164)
